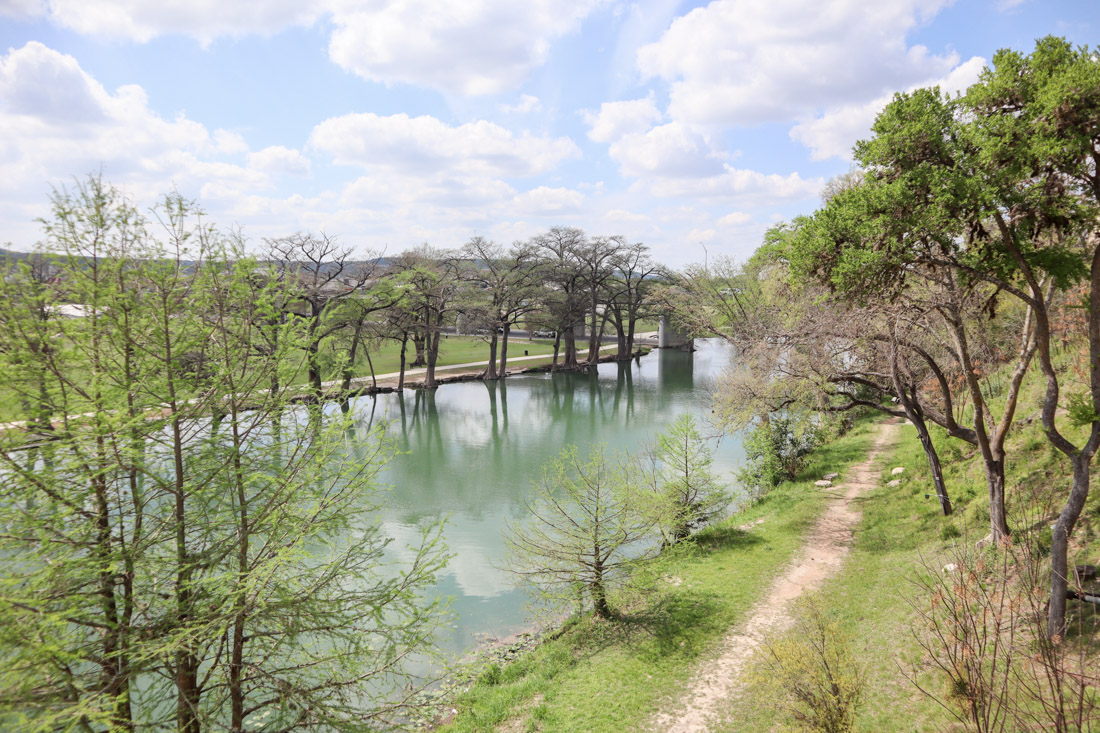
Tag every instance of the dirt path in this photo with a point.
(820, 557)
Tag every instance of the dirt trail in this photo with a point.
(719, 679)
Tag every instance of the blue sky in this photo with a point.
(394, 122)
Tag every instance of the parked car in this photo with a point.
(545, 334)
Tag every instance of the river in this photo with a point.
(472, 449)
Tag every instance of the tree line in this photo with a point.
(562, 282)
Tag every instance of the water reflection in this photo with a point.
(473, 448)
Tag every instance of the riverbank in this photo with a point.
(387, 383)
(614, 676)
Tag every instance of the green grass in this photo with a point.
(901, 535)
(613, 676)
(452, 350)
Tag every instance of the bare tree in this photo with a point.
(596, 257)
(320, 273)
(431, 286)
(505, 288)
(564, 296)
(629, 293)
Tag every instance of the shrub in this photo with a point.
(813, 674)
(775, 451)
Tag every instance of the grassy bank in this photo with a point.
(902, 537)
(612, 676)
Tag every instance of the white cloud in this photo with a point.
(616, 119)
(747, 187)
(57, 122)
(143, 20)
(671, 150)
(470, 47)
(279, 159)
(544, 201)
(837, 130)
(21, 8)
(526, 105)
(426, 145)
(744, 61)
(230, 143)
(467, 47)
(735, 219)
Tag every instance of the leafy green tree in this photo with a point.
(686, 486)
(585, 532)
(194, 551)
(998, 190)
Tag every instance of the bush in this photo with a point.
(813, 674)
(775, 451)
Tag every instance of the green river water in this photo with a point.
(473, 449)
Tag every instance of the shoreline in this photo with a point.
(387, 384)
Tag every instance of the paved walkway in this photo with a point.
(450, 368)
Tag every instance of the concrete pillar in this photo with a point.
(668, 337)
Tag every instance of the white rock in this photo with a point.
(895, 482)
(823, 483)
(950, 567)
(830, 476)
(898, 471)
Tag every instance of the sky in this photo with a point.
(689, 126)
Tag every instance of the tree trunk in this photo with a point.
(593, 335)
(632, 323)
(992, 455)
(599, 595)
(373, 378)
(570, 361)
(998, 517)
(432, 351)
(933, 460)
(910, 404)
(418, 342)
(622, 352)
(349, 366)
(491, 368)
(504, 351)
(401, 373)
(236, 661)
(314, 369)
(557, 346)
(1059, 546)
(596, 341)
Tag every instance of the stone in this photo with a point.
(898, 471)
(830, 476)
(823, 484)
(895, 482)
(950, 567)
